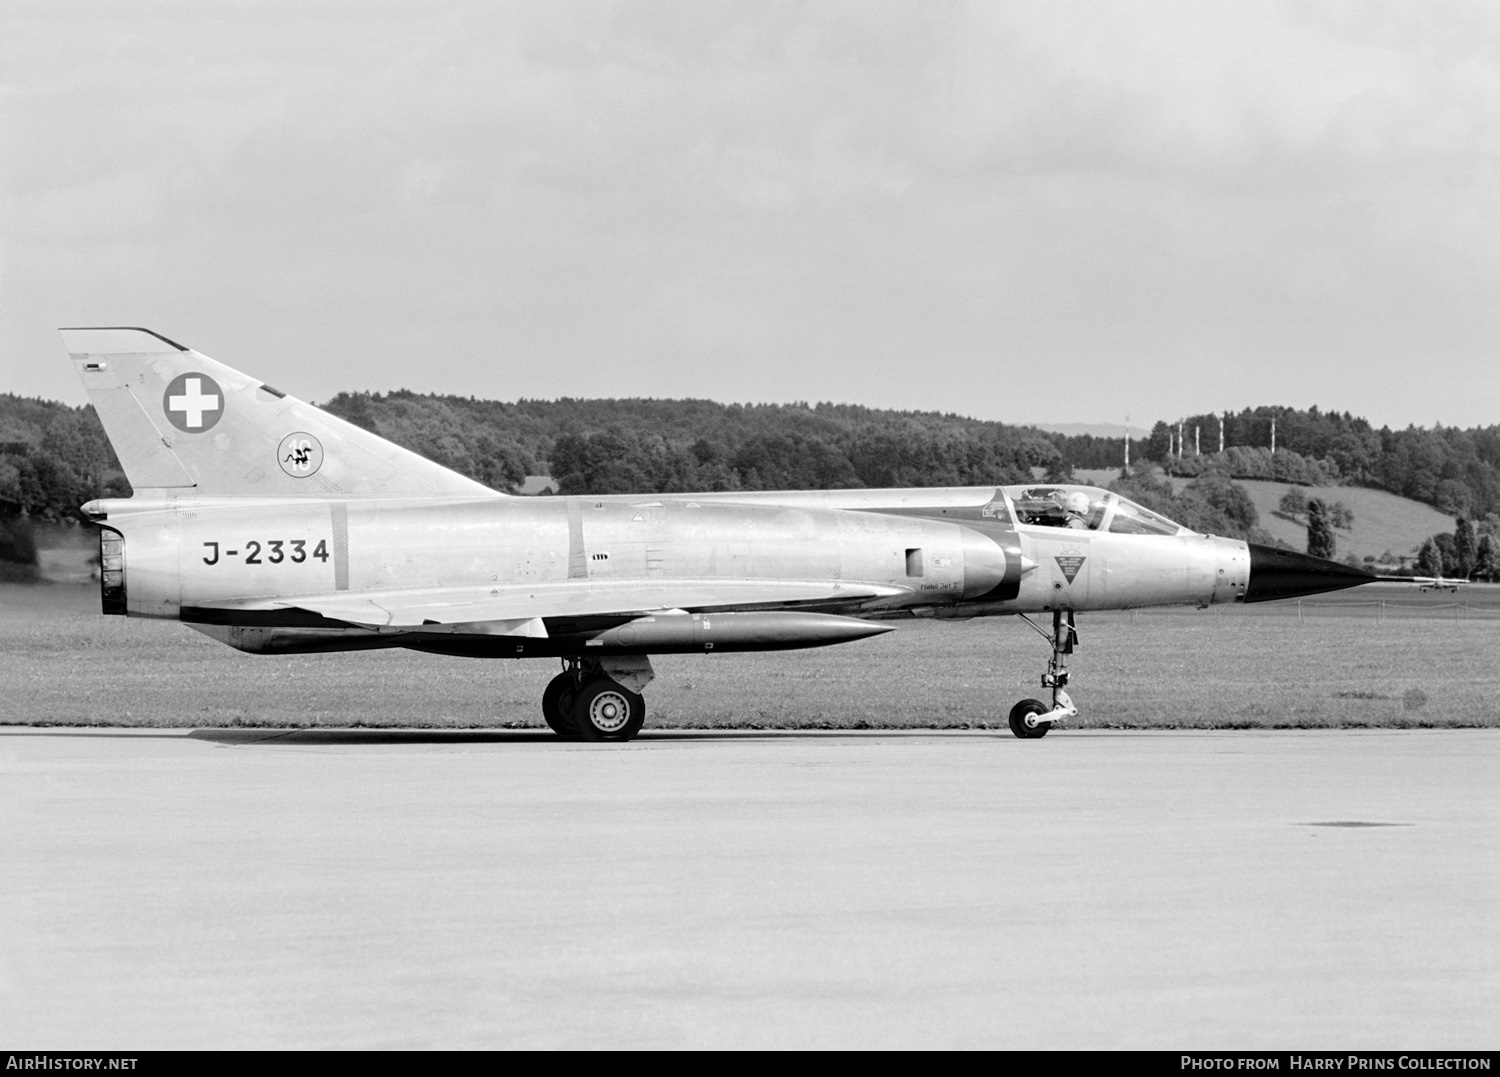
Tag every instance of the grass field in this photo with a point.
(1421, 660)
(1382, 521)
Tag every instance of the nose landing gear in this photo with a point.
(1031, 718)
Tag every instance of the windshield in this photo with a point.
(1132, 519)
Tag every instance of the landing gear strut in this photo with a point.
(1031, 718)
(585, 702)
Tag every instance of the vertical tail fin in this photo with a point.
(179, 421)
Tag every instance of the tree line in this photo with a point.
(673, 446)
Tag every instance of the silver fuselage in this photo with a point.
(959, 552)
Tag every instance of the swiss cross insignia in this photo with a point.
(193, 402)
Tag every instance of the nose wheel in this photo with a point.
(1030, 719)
(1029, 710)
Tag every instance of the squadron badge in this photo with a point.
(1070, 563)
(300, 455)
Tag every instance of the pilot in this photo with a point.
(1076, 508)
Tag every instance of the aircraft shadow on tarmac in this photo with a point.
(133, 732)
(272, 735)
(490, 736)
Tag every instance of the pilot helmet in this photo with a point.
(1076, 503)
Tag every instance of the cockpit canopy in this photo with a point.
(1086, 508)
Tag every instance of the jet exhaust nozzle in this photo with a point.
(1276, 573)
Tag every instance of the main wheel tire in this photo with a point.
(604, 710)
(557, 706)
(1018, 715)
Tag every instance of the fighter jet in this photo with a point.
(277, 528)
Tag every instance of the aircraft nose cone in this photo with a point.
(1287, 574)
(984, 564)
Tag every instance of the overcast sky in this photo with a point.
(1039, 211)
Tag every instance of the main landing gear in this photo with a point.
(1031, 718)
(586, 701)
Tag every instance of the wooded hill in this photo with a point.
(54, 457)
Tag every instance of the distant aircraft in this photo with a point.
(276, 528)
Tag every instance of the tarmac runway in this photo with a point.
(356, 889)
